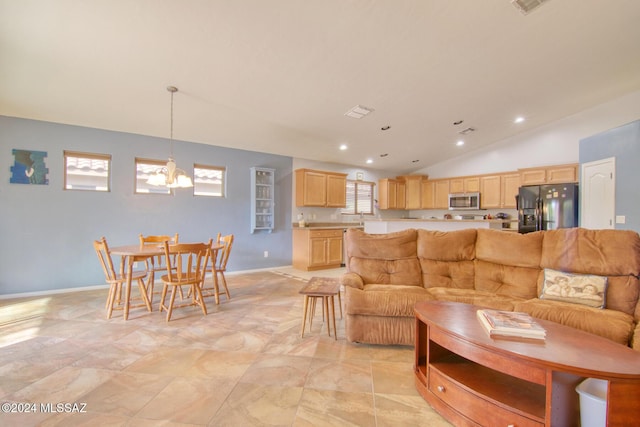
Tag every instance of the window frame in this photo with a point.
(66, 154)
(355, 211)
(223, 179)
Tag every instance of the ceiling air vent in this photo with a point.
(358, 112)
(526, 6)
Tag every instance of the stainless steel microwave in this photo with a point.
(464, 201)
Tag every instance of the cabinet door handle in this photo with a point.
(441, 388)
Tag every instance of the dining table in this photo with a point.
(131, 254)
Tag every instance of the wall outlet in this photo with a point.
(266, 254)
(621, 219)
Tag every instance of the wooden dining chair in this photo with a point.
(185, 266)
(117, 280)
(156, 263)
(218, 267)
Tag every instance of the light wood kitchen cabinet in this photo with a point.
(549, 175)
(391, 194)
(499, 191)
(510, 185)
(413, 185)
(467, 184)
(321, 188)
(441, 194)
(562, 173)
(428, 194)
(317, 249)
(490, 191)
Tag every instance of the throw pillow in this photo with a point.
(585, 289)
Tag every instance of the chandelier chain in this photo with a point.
(173, 90)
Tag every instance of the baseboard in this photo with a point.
(91, 288)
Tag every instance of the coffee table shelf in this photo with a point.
(474, 380)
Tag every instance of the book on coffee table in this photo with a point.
(499, 323)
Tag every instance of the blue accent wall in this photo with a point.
(623, 143)
(47, 232)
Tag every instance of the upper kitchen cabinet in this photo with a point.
(441, 194)
(428, 194)
(509, 190)
(321, 188)
(490, 191)
(413, 186)
(499, 191)
(467, 184)
(549, 175)
(392, 194)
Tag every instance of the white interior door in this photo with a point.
(597, 194)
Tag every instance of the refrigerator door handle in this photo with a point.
(538, 214)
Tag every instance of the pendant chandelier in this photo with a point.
(170, 175)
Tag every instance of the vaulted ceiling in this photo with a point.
(278, 76)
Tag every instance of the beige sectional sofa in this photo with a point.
(388, 273)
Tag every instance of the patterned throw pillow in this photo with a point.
(582, 289)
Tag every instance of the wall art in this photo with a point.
(29, 167)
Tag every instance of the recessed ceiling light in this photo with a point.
(458, 122)
(385, 128)
(519, 119)
(369, 161)
(358, 112)
(460, 143)
(343, 147)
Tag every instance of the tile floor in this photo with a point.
(242, 365)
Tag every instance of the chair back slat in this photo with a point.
(104, 256)
(223, 254)
(186, 262)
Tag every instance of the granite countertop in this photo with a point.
(329, 225)
(493, 220)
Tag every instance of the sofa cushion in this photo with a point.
(387, 272)
(384, 300)
(470, 296)
(446, 258)
(508, 263)
(390, 246)
(585, 289)
(611, 324)
(611, 253)
(389, 259)
(601, 252)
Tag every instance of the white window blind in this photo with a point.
(359, 198)
(87, 171)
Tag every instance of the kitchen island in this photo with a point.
(380, 226)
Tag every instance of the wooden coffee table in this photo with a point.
(472, 379)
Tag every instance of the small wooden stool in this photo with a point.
(327, 289)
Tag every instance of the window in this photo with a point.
(359, 198)
(209, 180)
(145, 168)
(87, 171)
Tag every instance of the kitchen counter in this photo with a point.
(328, 225)
(388, 226)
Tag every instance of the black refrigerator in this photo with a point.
(547, 207)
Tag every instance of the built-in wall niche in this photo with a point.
(262, 199)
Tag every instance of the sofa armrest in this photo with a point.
(352, 279)
(635, 338)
